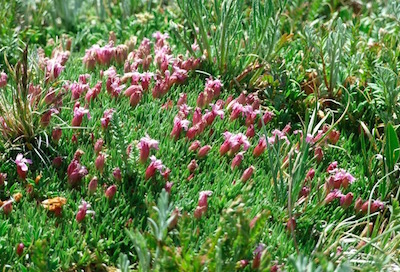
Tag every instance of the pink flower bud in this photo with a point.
(182, 99)
(110, 192)
(334, 136)
(250, 132)
(358, 205)
(291, 224)
(92, 187)
(194, 146)
(100, 161)
(224, 148)
(80, 216)
(56, 134)
(346, 200)
(135, 98)
(310, 174)
(7, 207)
(117, 174)
(98, 146)
(257, 256)
(57, 162)
(319, 154)
(192, 166)
(203, 151)
(168, 186)
(20, 249)
(260, 147)
(237, 160)
(247, 173)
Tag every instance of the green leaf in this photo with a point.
(392, 151)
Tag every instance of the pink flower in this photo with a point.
(373, 206)
(146, 77)
(182, 99)
(53, 69)
(110, 192)
(20, 249)
(56, 134)
(160, 38)
(77, 89)
(45, 119)
(100, 161)
(334, 136)
(184, 110)
(76, 172)
(319, 154)
(145, 144)
(179, 124)
(237, 110)
(310, 174)
(107, 116)
(203, 204)
(332, 196)
(7, 207)
(168, 186)
(257, 256)
(105, 54)
(237, 160)
(332, 167)
(278, 135)
(192, 166)
(203, 151)
(247, 173)
(194, 146)
(117, 174)
(260, 148)
(132, 89)
(214, 85)
(94, 92)
(250, 131)
(3, 79)
(57, 162)
(201, 100)
(92, 187)
(304, 192)
(135, 98)
(79, 112)
(341, 178)
(98, 146)
(83, 210)
(346, 200)
(22, 168)
(267, 117)
(153, 167)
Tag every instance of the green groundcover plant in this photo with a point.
(199, 135)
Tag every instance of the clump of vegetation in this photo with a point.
(197, 135)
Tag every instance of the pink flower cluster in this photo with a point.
(338, 177)
(145, 145)
(233, 143)
(212, 90)
(105, 55)
(75, 171)
(55, 65)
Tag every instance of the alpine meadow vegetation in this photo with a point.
(249, 135)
